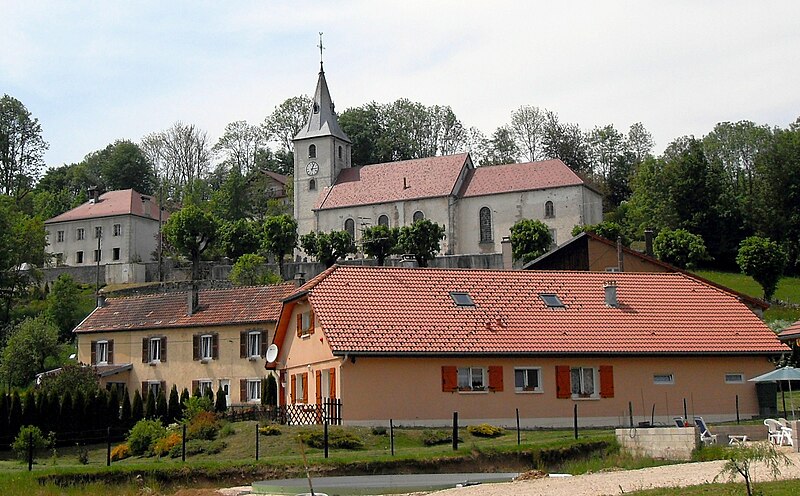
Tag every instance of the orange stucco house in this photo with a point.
(415, 345)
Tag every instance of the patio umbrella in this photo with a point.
(782, 374)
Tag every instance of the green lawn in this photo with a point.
(788, 291)
(772, 488)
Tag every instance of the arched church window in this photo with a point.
(350, 227)
(485, 224)
(383, 220)
(548, 210)
(418, 215)
(312, 185)
(312, 151)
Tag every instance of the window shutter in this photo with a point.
(94, 352)
(495, 378)
(196, 347)
(144, 390)
(333, 383)
(311, 321)
(163, 348)
(293, 390)
(195, 386)
(145, 346)
(215, 346)
(563, 389)
(449, 378)
(305, 387)
(110, 351)
(606, 381)
(263, 350)
(243, 344)
(318, 386)
(299, 324)
(163, 388)
(243, 390)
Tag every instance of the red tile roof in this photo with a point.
(490, 180)
(791, 332)
(387, 310)
(394, 181)
(251, 304)
(120, 202)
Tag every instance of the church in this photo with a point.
(476, 205)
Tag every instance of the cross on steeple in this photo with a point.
(320, 51)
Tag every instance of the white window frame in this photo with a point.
(154, 350)
(155, 387)
(254, 344)
(206, 347)
(582, 391)
(664, 379)
(60, 236)
(734, 378)
(101, 352)
(254, 390)
(298, 389)
(80, 234)
(205, 384)
(117, 229)
(305, 324)
(472, 379)
(526, 388)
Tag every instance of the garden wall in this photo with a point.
(670, 443)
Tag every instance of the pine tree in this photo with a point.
(112, 407)
(78, 412)
(4, 415)
(29, 411)
(14, 414)
(65, 413)
(210, 395)
(150, 405)
(137, 411)
(222, 404)
(125, 410)
(271, 393)
(174, 410)
(45, 410)
(184, 396)
(161, 407)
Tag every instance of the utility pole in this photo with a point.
(99, 234)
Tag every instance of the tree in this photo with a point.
(529, 239)
(365, 127)
(764, 260)
(230, 200)
(328, 247)
(191, 231)
(137, 410)
(528, 130)
(567, 143)
(125, 411)
(239, 237)
(150, 405)
(174, 410)
(180, 156)
(639, 142)
(21, 148)
(221, 404)
(271, 393)
(379, 241)
(605, 145)
(283, 124)
(606, 229)
(421, 239)
(72, 377)
(680, 248)
(161, 406)
(239, 144)
(500, 148)
(63, 306)
(279, 237)
(126, 167)
(741, 461)
(251, 270)
(31, 342)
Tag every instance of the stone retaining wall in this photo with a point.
(670, 443)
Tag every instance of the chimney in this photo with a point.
(146, 210)
(405, 183)
(620, 261)
(299, 279)
(192, 300)
(648, 241)
(610, 288)
(101, 301)
(408, 261)
(505, 250)
(92, 191)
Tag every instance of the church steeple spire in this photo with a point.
(320, 52)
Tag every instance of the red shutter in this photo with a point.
(305, 387)
(449, 378)
(606, 381)
(311, 321)
(145, 346)
(94, 352)
(110, 351)
(318, 386)
(243, 390)
(163, 348)
(243, 344)
(264, 344)
(195, 386)
(563, 389)
(196, 347)
(333, 383)
(215, 346)
(495, 378)
(299, 324)
(293, 390)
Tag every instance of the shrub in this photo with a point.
(204, 425)
(144, 435)
(120, 452)
(227, 429)
(164, 445)
(30, 433)
(198, 446)
(337, 438)
(195, 405)
(270, 430)
(485, 430)
(83, 455)
(432, 437)
(379, 430)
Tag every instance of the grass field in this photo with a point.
(772, 488)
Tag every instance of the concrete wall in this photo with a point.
(670, 443)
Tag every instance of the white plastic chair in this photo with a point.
(705, 434)
(777, 432)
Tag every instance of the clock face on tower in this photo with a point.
(312, 168)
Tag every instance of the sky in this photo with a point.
(96, 72)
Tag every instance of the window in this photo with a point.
(154, 350)
(299, 391)
(254, 390)
(312, 184)
(528, 380)
(663, 379)
(471, 378)
(350, 227)
(734, 378)
(59, 259)
(418, 215)
(340, 152)
(98, 232)
(204, 385)
(551, 300)
(115, 254)
(97, 255)
(582, 381)
(383, 220)
(60, 236)
(79, 257)
(206, 347)
(312, 151)
(154, 388)
(549, 213)
(117, 229)
(254, 343)
(80, 233)
(485, 224)
(462, 299)
(102, 352)
(305, 324)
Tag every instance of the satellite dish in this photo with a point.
(272, 352)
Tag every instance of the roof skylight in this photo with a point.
(462, 299)
(551, 300)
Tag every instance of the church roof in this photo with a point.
(120, 202)
(322, 119)
(394, 181)
(491, 180)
